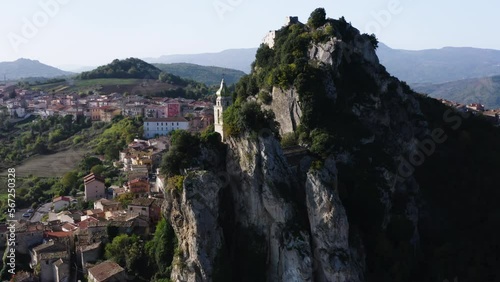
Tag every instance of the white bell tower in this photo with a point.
(224, 100)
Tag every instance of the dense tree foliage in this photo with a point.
(128, 251)
(208, 75)
(128, 68)
(161, 248)
(117, 136)
(183, 150)
(317, 18)
(172, 79)
(249, 117)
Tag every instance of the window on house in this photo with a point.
(143, 209)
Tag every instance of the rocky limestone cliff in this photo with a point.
(344, 210)
(285, 105)
(334, 260)
(279, 224)
(194, 215)
(260, 181)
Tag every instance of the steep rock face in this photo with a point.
(285, 104)
(194, 216)
(330, 228)
(306, 238)
(261, 180)
(392, 115)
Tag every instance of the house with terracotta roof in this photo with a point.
(84, 224)
(94, 187)
(95, 213)
(139, 187)
(149, 207)
(62, 202)
(107, 113)
(107, 205)
(107, 271)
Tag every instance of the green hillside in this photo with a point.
(132, 76)
(485, 90)
(128, 68)
(204, 74)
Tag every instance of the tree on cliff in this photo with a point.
(317, 18)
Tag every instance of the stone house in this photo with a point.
(107, 205)
(28, 235)
(139, 187)
(88, 254)
(44, 260)
(149, 207)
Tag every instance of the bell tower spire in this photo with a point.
(222, 102)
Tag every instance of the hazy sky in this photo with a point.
(92, 32)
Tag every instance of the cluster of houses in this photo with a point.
(69, 237)
(475, 108)
(175, 113)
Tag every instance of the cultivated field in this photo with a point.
(107, 85)
(50, 165)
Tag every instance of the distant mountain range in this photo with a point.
(484, 90)
(238, 59)
(203, 74)
(461, 74)
(23, 68)
(439, 65)
(423, 66)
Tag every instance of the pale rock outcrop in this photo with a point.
(194, 214)
(286, 107)
(329, 228)
(261, 181)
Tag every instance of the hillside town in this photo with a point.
(191, 114)
(492, 115)
(58, 237)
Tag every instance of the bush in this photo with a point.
(160, 249)
(322, 142)
(175, 183)
(77, 139)
(248, 117)
(183, 151)
(289, 140)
